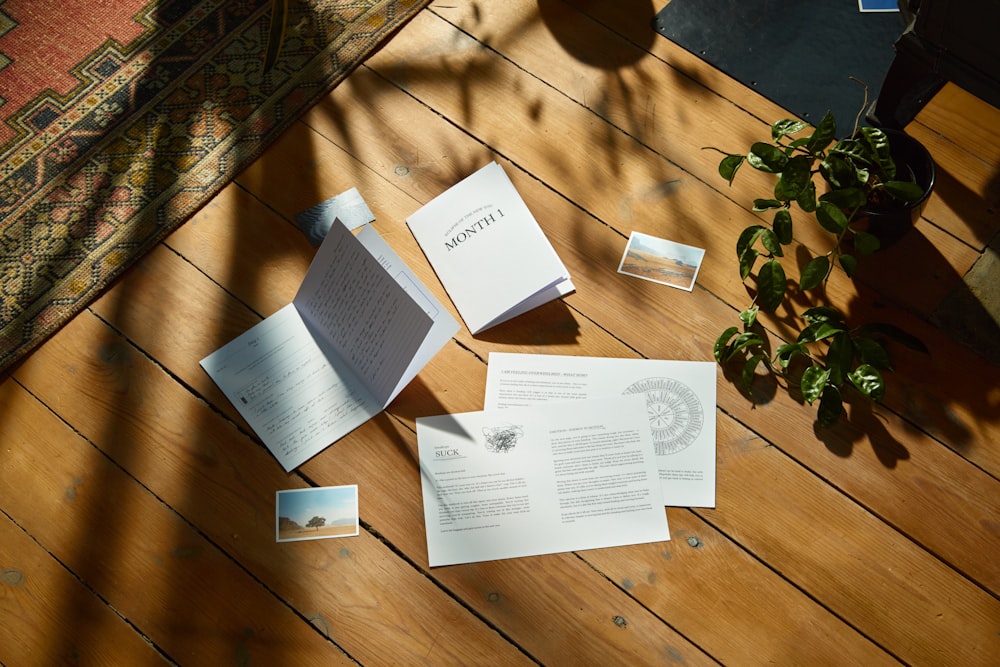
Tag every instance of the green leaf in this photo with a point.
(747, 260)
(729, 166)
(782, 226)
(807, 198)
(870, 351)
(749, 316)
(823, 314)
(771, 285)
(747, 238)
(741, 342)
(849, 263)
(750, 368)
(783, 355)
(824, 134)
(846, 199)
(839, 357)
(831, 218)
(893, 332)
(813, 380)
(904, 191)
(794, 178)
(849, 149)
(766, 204)
(818, 331)
(861, 175)
(770, 242)
(866, 243)
(787, 126)
(868, 381)
(839, 172)
(766, 157)
(722, 342)
(877, 143)
(798, 143)
(814, 272)
(830, 406)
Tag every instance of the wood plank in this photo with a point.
(964, 119)
(148, 563)
(965, 186)
(701, 585)
(224, 484)
(50, 617)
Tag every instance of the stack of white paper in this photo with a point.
(539, 480)
(571, 453)
(488, 250)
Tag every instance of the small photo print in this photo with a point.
(661, 261)
(316, 513)
(878, 5)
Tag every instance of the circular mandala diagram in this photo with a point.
(675, 414)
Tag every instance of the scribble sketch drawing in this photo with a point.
(502, 439)
(675, 413)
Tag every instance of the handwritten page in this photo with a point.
(443, 325)
(680, 407)
(358, 331)
(539, 480)
(350, 300)
(292, 392)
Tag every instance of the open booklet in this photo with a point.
(488, 250)
(359, 329)
(539, 480)
(680, 406)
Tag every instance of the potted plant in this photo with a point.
(873, 186)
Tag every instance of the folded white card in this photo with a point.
(488, 250)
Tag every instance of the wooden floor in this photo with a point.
(137, 519)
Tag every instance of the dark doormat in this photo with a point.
(799, 54)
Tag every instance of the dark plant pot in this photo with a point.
(890, 223)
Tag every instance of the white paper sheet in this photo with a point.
(680, 404)
(530, 481)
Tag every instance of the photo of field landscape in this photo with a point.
(661, 261)
(316, 513)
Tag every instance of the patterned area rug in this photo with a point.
(120, 118)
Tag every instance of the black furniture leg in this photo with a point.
(909, 84)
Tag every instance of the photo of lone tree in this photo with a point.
(316, 513)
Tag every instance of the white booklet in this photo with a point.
(680, 406)
(488, 250)
(539, 480)
(359, 329)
